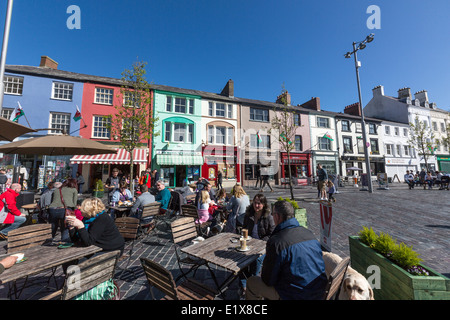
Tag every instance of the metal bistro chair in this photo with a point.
(162, 279)
(184, 230)
(335, 279)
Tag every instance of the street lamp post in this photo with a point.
(5, 49)
(362, 45)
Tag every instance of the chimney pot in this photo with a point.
(353, 109)
(313, 104)
(47, 62)
(228, 90)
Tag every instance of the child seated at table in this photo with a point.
(203, 207)
(222, 197)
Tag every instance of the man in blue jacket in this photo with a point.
(293, 268)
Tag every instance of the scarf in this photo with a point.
(88, 222)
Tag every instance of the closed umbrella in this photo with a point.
(9, 130)
(56, 145)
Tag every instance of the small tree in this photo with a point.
(284, 128)
(133, 121)
(445, 141)
(422, 139)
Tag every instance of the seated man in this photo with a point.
(144, 199)
(163, 196)
(409, 179)
(293, 268)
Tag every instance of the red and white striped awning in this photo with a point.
(121, 157)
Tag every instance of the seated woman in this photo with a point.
(222, 197)
(96, 229)
(236, 208)
(259, 222)
(123, 194)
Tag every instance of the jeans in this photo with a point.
(252, 270)
(18, 220)
(57, 218)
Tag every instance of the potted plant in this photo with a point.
(401, 274)
(300, 213)
(98, 191)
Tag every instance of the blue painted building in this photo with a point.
(49, 99)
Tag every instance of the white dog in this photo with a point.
(355, 286)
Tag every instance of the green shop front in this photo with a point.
(179, 168)
(443, 163)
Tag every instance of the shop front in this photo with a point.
(178, 168)
(328, 161)
(224, 159)
(377, 165)
(398, 166)
(300, 164)
(99, 167)
(443, 164)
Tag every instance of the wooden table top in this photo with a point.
(220, 251)
(29, 206)
(42, 258)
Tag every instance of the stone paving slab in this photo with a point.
(420, 218)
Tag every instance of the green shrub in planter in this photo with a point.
(300, 213)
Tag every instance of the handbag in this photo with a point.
(68, 212)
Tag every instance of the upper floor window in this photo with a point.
(358, 127)
(348, 147)
(179, 105)
(259, 115)
(263, 141)
(374, 146)
(387, 130)
(396, 131)
(220, 135)
(13, 85)
(100, 127)
(62, 91)
(297, 120)
(405, 132)
(220, 109)
(6, 113)
(390, 149)
(323, 122)
(435, 127)
(179, 132)
(442, 127)
(59, 121)
(345, 125)
(104, 96)
(324, 143)
(298, 143)
(372, 128)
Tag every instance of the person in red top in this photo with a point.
(14, 218)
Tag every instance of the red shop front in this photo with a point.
(221, 158)
(300, 166)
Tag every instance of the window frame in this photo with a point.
(104, 121)
(53, 126)
(13, 85)
(100, 97)
(319, 125)
(263, 117)
(61, 96)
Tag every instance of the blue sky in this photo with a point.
(261, 45)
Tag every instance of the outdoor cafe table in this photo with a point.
(220, 251)
(43, 258)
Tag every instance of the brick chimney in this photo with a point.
(353, 109)
(47, 62)
(228, 90)
(283, 98)
(404, 93)
(313, 104)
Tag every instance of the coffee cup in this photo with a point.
(245, 234)
(243, 244)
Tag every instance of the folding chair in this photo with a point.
(149, 210)
(335, 279)
(162, 279)
(87, 275)
(128, 228)
(184, 230)
(189, 210)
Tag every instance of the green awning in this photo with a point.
(178, 160)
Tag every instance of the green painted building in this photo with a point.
(177, 150)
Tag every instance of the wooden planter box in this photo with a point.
(395, 282)
(300, 215)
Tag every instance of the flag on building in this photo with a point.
(77, 116)
(432, 150)
(17, 113)
(282, 135)
(327, 136)
(259, 137)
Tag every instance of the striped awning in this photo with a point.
(175, 160)
(121, 157)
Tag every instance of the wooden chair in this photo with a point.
(150, 210)
(87, 275)
(184, 230)
(335, 279)
(189, 210)
(162, 279)
(28, 237)
(128, 228)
